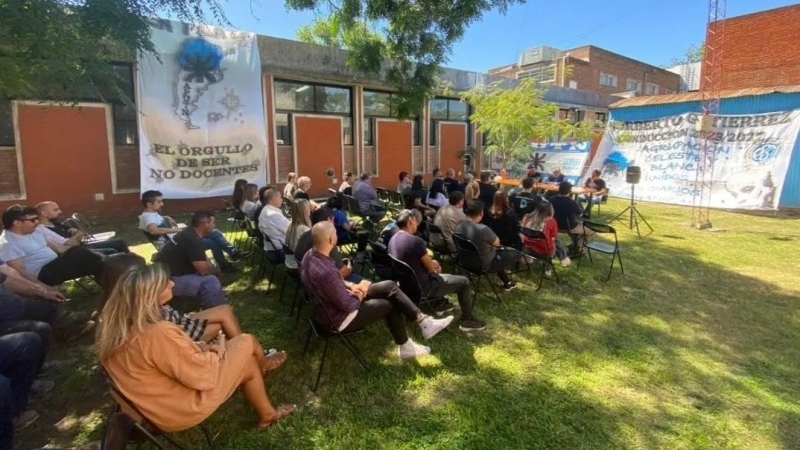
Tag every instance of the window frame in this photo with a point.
(648, 86)
(433, 135)
(611, 77)
(416, 125)
(315, 87)
(637, 82)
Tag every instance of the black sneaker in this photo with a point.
(41, 387)
(49, 367)
(441, 307)
(509, 286)
(472, 324)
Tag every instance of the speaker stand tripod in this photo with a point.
(634, 215)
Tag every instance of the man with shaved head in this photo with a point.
(49, 218)
(346, 306)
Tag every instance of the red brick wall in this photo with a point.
(587, 73)
(9, 181)
(760, 49)
(126, 160)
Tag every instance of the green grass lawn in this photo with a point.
(696, 346)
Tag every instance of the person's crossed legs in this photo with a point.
(206, 287)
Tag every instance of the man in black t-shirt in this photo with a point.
(450, 182)
(567, 212)
(525, 201)
(598, 185)
(192, 272)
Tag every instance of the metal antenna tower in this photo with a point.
(711, 86)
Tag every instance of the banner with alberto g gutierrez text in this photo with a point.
(202, 121)
(750, 157)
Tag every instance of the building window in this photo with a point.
(6, 124)
(452, 110)
(608, 80)
(580, 115)
(651, 89)
(600, 117)
(293, 96)
(119, 93)
(544, 74)
(669, 91)
(283, 128)
(634, 86)
(381, 104)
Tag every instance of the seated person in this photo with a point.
(202, 326)
(261, 202)
(345, 228)
(414, 201)
(49, 215)
(249, 200)
(367, 197)
(304, 244)
(345, 306)
(556, 177)
(346, 187)
(160, 229)
(192, 272)
(598, 185)
(299, 225)
(525, 201)
(495, 258)
(449, 216)
(566, 212)
(542, 220)
(272, 222)
(504, 222)
(26, 247)
(291, 185)
(411, 249)
(450, 183)
(417, 187)
(155, 364)
(436, 197)
(20, 354)
(533, 173)
(487, 189)
(404, 186)
(303, 185)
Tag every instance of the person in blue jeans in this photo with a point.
(20, 354)
(161, 229)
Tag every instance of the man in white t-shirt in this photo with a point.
(159, 229)
(38, 254)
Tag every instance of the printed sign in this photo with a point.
(570, 157)
(202, 119)
(749, 158)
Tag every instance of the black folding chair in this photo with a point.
(545, 259)
(128, 424)
(407, 280)
(469, 261)
(325, 333)
(602, 246)
(273, 255)
(437, 243)
(379, 260)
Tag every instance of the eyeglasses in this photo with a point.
(30, 219)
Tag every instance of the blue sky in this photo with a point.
(654, 31)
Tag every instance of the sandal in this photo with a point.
(281, 412)
(272, 362)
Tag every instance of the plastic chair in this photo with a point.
(601, 246)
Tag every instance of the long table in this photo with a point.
(553, 187)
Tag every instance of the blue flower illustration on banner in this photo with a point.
(199, 67)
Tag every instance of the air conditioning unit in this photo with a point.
(539, 54)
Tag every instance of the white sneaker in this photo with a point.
(566, 261)
(430, 326)
(411, 350)
(548, 273)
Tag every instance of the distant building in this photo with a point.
(761, 49)
(690, 74)
(592, 69)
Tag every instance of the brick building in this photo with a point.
(591, 69)
(760, 49)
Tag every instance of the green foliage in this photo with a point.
(417, 38)
(512, 116)
(693, 54)
(61, 49)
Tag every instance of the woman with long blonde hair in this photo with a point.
(175, 382)
(300, 224)
(472, 191)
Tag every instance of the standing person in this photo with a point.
(436, 196)
(495, 258)
(504, 222)
(450, 182)
(250, 200)
(346, 187)
(291, 185)
(404, 186)
(162, 229)
(19, 358)
(49, 217)
(344, 306)
(567, 213)
(448, 217)
(37, 255)
(192, 272)
(542, 220)
(155, 364)
(411, 249)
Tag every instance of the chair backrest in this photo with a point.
(405, 277)
(383, 194)
(599, 228)
(468, 256)
(532, 234)
(436, 238)
(125, 405)
(272, 251)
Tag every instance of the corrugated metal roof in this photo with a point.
(698, 96)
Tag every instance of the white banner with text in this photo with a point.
(570, 157)
(202, 121)
(749, 157)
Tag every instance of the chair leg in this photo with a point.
(283, 288)
(350, 346)
(494, 289)
(321, 364)
(541, 275)
(271, 276)
(619, 257)
(207, 435)
(152, 438)
(308, 340)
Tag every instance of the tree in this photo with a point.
(61, 49)
(693, 54)
(512, 117)
(417, 38)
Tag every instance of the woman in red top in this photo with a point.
(541, 219)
